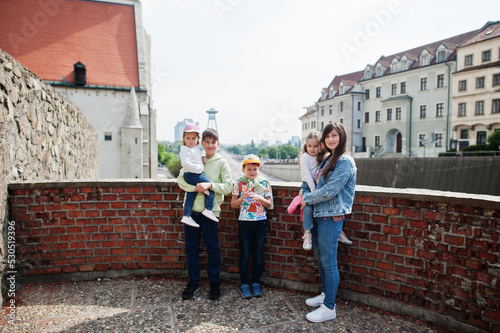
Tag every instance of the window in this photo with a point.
(389, 114)
(367, 117)
(377, 92)
(424, 60)
(359, 106)
(398, 113)
(440, 81)
(480, 82)
(439, 109)
(442, 56)
(359, 123)
(403, 87)
(464, 134)
(496, 79)
(462, 85)
(423, 83)
(322, 125)
(342, 121)
(495, 106)
(377, 140)
(438, 139)
(479, 108)
(421, 140)
(108, 136)
(461, 110)
(481, 137)
(341, 106)
(377, 116)
(379, 71)
(468, 60)
(367, 94)
(394, 89)
(322, 111)
(404, 65)
(423, 111)
(331, 109)
(486, 56)
(394, 67)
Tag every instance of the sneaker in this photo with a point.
(343, 239)
(316, 301)
(189, 221)
(214, 290)
(307, 241)
(245, 291)
(257, 290)
(321, 314)
(190, 290)
(210, 215)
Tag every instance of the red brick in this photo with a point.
(459, 241)
(392, 230)
(85, 268)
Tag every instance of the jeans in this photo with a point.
(307, 212)
(192, 236)
(193, 179)
(251, 235)
(325, 235)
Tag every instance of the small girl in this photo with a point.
(313, 153)
(191, 161)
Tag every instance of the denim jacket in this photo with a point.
(335, 195)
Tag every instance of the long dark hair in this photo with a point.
(339, 151)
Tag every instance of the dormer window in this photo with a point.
(424, 60)
(368, 74)
(80, 74)
(441, 56)
(394, 66)
(379, 71)
(404, 65)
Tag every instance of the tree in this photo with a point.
(494, 140)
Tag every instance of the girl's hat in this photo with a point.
(192, 127)
(251, 159)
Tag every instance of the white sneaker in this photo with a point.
(210, 215)
(189, 221)
(307, 241)
(321, 314)
(344, 239)
(316, 301)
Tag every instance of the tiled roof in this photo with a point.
(349, 80)
(489, 31)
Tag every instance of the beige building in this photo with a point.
(309, 122)
(476, 88)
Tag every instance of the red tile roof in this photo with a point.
(489, 31)
(49, 37)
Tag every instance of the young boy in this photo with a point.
(252, 194)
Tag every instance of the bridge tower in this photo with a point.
(212, 122)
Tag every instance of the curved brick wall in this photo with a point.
(431, 255)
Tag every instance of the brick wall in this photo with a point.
(438, 252)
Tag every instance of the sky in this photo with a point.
(260, 62)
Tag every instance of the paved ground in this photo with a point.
(153, 304)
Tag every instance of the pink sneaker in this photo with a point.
(295, 203)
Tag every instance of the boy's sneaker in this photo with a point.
(245, 291)
(210, 215)
(343, 239)
(190, 290)
(321, 314)
(316, 301)
(214, 290)
(257, 290)
(189, 221)
(307, 241)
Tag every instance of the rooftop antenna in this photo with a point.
(212, 122)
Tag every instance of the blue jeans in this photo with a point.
(325, 235)
(192, 242)
(193, 179)
(251, 235)
(307, 212)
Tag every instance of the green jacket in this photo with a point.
(218, 171)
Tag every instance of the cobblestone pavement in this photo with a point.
(153, 304)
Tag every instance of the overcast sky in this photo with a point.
(259, 62)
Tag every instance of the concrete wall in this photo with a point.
(479, 175)
(42, 136)
(426, 254)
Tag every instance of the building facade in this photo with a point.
(476, 92)
(96, 54)
(309, 122)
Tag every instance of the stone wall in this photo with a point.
(430, 255)
(42, 136)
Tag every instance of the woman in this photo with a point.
(336, 180)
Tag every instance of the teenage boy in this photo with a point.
(217, 170)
